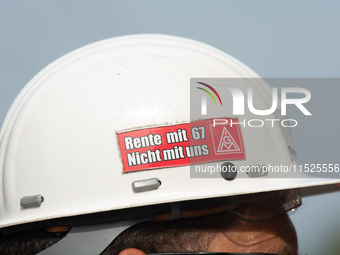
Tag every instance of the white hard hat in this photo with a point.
(59, 141)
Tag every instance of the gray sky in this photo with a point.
(274, 38)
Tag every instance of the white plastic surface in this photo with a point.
(59, 137)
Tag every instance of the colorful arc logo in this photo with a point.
(204, 99)
(211, 95)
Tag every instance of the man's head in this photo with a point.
(220, 232)
(249, 223)
(215, 233)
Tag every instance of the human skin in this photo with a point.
(276, 235)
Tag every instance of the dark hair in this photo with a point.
(193, 234)
(28, 242)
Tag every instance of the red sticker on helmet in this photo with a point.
(182, 144)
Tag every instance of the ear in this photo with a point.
(131, 251)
